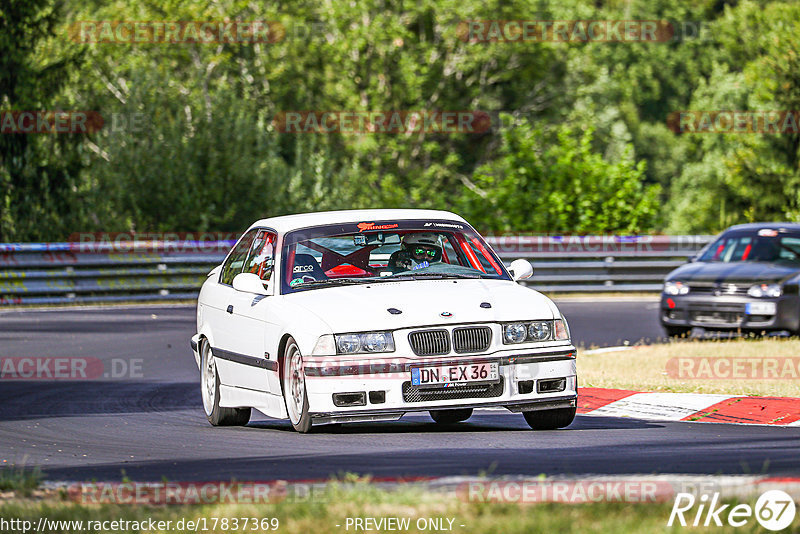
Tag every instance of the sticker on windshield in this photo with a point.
(767, 232)
(444, 225)
(296, 282)
(364, 226)
(303, 269)
(421, 265)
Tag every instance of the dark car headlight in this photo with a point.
(765, 291)
(674, 287)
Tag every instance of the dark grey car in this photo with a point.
(746, 279)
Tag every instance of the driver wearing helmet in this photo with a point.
(418, 251)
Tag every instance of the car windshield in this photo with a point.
(766, 245)
(376, 251)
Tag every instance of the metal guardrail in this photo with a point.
(50, 273)
(600, 263)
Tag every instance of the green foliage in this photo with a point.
(38, 172)
(555, 182)
(734, 178)
(587, 150)
(20, 479)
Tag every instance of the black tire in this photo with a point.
(677, 331)
(448, 417)
(290, 375)
(550, 419)
(209, 379)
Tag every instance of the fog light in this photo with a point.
(350, 399)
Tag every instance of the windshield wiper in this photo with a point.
(333, 281)
(415, 276)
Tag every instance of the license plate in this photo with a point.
(760, 308)
(454, 374)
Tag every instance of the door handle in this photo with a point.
(230, 308)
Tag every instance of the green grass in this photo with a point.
(647, 368)
(325, 511)
(20, 480)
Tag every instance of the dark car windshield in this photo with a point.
(377, 251)
(766, 245)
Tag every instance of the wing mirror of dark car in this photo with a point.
(250, 283)
(520, 270)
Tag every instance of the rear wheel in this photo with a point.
(293, 381)
(209, 384)
(448, 417)
(677, 331)
(550, 419)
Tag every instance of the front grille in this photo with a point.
(429, 342)
(719, 290)
(720, 313)
(715, 317)
(478, 391)
(472, 339)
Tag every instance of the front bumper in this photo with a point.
(728, 312)
(355, 416)
(384, 392)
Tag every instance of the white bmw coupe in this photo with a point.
(366, 315)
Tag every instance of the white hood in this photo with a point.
(365, 307)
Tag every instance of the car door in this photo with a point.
(237, 338)
(253, 323)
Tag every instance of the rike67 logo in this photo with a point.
(774, 510)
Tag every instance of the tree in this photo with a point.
(39, 173)
(554, 182)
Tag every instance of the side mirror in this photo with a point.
(249, 283)
(520, 270)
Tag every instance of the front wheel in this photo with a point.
(217, 415)
(293, 382)
(550, 419)
(448, 417)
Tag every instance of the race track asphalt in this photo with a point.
(149, 424)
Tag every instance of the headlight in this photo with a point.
(539, 330)
(533, 331)
(515, 333)
(675, 288)
(765, 290)
(369, 342)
